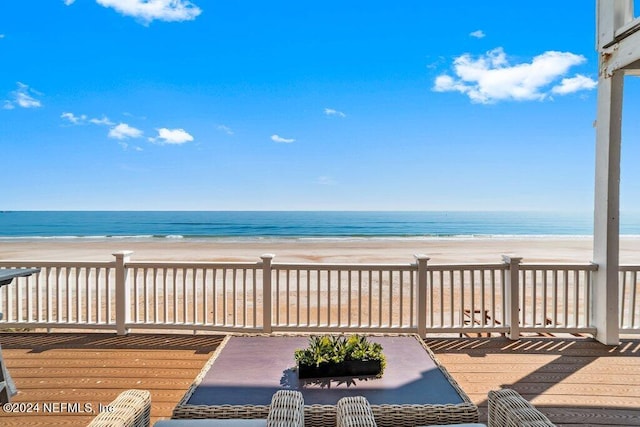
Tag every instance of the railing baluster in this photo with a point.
(379, 298)
(224, 297)
(308, 297)
(634, 289)
(255, 297)
(339, 298)
(244, 297)
(328, 297)
(39, 299)
(349, 322)
(90, 314)
(370, 298)
(318, 323)
(401, 321)
(566, 297)
(298, 321)
(359, 298)
(215, 297)
(523, 297)
(156, 302)
(576, 300)
(58, 296)
(412, 304)
(451, 297)
(534, 296)
(626, 291)
(483, 307)
(587, 308)
(288, 295)
(495, 309)
(234, 296)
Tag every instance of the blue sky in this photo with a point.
(242, 105)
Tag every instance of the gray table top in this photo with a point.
(8, 274)
(249, 370)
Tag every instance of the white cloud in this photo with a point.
(1, 36)
(150, 10)
(84, 119)
(491, 78)
(172, 136)
(69, 2)
(479, 34)
(332, 112)
(72, 118)
(225, 129)
(574, 84)
(277, 138)
(124, 131)
(22, 97)
(104, 121)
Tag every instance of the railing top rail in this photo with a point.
(59, 264)
(343, 267)
(455, 267)
(560, 266)
(630, 267)
(191, 264)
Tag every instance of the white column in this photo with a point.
(611, 15)
(606, 227)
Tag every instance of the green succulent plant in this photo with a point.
(336, 349)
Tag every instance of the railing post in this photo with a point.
(512, 296)
(421, 321)
(123, 298)
(266, 292)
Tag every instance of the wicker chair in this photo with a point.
(508, 409)
(131, 408)
(354, 412)
(286, 410)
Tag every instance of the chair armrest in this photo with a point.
(132, 408)
(508, 409)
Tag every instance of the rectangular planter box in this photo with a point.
(348, 368)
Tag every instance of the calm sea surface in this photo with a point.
(300, 225)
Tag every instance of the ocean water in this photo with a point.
(296, 225)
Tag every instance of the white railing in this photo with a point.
(263, 296)
(63, 294)
(178, 295)
(466, 298)
(556, 298)
(380, 298)
(629, 301)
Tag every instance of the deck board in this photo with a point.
(575, 381)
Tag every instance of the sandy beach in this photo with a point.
(542, 249)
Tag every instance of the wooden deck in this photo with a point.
(575, 381)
